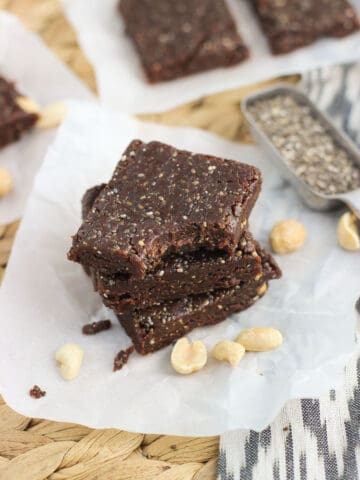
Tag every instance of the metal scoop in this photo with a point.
(312, 198)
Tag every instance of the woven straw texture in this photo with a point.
(35, 449)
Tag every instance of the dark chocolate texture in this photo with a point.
(122, 358)
(178, 38)
(161, 200)
(290, 24)
(177, 276)
(96, 327)
(158, 326)
(13, 120)
(180, 276)
(36, 392)
(89, 198)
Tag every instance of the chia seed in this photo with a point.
(306, 145)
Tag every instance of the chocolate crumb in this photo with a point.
(36, 392)
(96, 327)
(122, 358)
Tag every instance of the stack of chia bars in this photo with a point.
(167, 245)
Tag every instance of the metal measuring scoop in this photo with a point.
(312, 198)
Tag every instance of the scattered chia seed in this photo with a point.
(306, 145)
(36, 392)
(96, 327)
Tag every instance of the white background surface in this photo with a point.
(38, 74)
(45, 300)
(121, 80)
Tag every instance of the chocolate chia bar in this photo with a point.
(160, 201)
(155, 328)
(290, 24)
(180, 276)
(89, 198)
(13, 120)
(174, 39)
(158, 326)
(177, 276)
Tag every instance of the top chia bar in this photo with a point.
(291, 24)
(177, 38)
(161, 200)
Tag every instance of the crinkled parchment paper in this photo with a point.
(46, 299)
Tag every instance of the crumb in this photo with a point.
(285, 429)
(96, 327)
(122, 358)
(36, 392)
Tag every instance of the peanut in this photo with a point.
(287, 236)
(232, 352)
(262, 289)
(6, 182)
(188, 357)
(52, 115)
(27, 105)
(348, 232)
(260, 339)
(69, 357)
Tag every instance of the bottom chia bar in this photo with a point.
(156, 327)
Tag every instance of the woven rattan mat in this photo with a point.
(35, 449)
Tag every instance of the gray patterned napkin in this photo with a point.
(311, 439)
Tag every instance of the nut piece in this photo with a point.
(6, 183)
(69, 357)
(188, 357)
(348, 232)
(231, 352)
(287, 236)
(260, 339)
(262, 289)
(52, 115)
(28, 105)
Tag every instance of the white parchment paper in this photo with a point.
(38, 74)
(122, 82)
(46, 299)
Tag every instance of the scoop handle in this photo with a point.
(352, 200)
